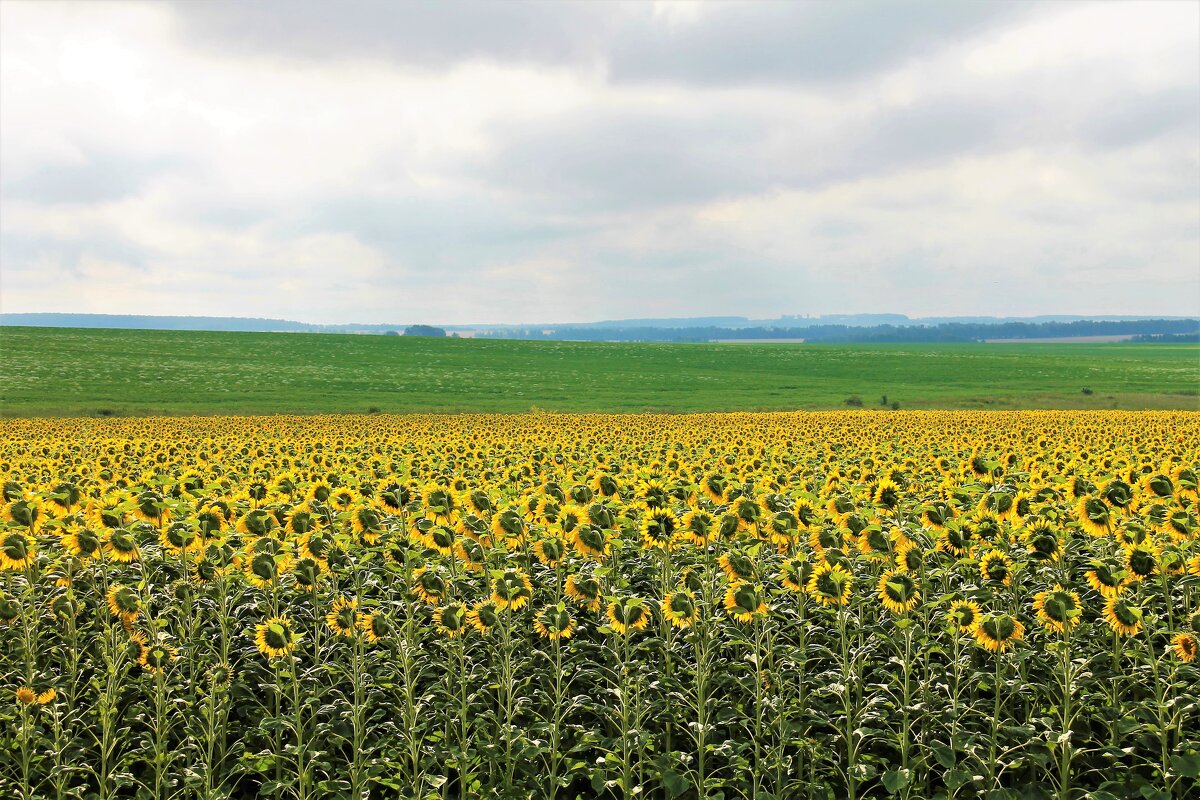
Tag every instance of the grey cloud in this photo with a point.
(101, 177)
(425, 34)
(1138, 117)
(786, 42)
(730, 43)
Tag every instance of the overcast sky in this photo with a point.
(505, 162)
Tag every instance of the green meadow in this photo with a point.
(89, 372)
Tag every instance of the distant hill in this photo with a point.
(830, 328)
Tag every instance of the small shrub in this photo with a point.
(895, 405)
(854, 401)
(1086, 390)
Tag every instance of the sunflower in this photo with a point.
(554, 622)
(831, 585)
(512, 590)
(679, 608)
(451, 619)
(1041, 540)
(1107, 578)
(584, 590)
(1094, 516)
(591, 541)
(82, 543)
(963, 616)
(509, 526)
(660, 529)
(275, 637)
(1122, 616)
(342, 617)
(995, 566)
(700, 526)
(124, 603)
(264, 569)
(46, 697)
(1141, 561)
(738, 567)
(366, 523)
(484, 616)
(998, 632)
(17, 550)
(374, 626)
(955, 539)
(909, 556)
(1184, 646)
(1058, 610)
(429, 585)
(26, 512)
(156, 657)
(807, 513)
(627, 614)
(26, 695)
(10, 610)
(714, 485)
(822, 539)
(218, 677)
(898, 591)
(550, 550)
(795, 572)
(441, 503)
(121, 545)
(179, 537)
(746, 602)
(886, 495)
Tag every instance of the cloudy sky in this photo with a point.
(505, 162)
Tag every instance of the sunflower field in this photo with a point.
(787, 605)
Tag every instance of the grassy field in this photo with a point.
(84, 372)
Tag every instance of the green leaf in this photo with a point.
(1187, 765)
(945, 755)
(675, 783)
(895, 779)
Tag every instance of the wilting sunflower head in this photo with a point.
(998, 632)
(10, 610)
(554, 623)
(26, 695)
(898, 591)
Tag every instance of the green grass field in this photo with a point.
(84, 372)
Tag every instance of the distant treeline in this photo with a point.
(1188, 329)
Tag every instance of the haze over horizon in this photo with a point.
(574, 162)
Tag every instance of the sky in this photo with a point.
(483, 162)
